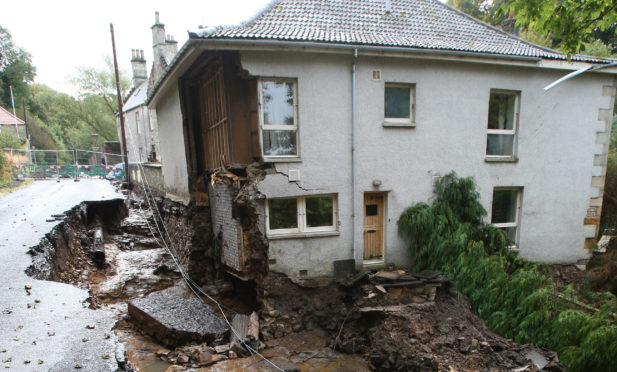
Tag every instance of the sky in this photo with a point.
(63, 35)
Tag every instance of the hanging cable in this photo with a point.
(173, 253)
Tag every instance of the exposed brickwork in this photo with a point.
(227, 229)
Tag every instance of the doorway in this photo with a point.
(374, 213)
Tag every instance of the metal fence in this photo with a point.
(64, 163)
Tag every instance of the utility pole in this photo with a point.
(124, 151)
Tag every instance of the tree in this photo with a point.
(101, 83)
(490, 11)
(574, 22)
(16, 70)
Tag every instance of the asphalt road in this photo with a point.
(51, 329)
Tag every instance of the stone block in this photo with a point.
(590, 231)
(608, 90)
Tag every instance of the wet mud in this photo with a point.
(323, 325)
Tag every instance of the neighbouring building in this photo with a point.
(141, 129)
(310, 128)
(11, 124)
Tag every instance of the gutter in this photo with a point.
(353, 152)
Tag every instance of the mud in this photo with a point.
(323, 324)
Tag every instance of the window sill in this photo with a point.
(501, 159)
(398, 124)
(281, 159)
(310, 234)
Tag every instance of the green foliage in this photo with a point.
(16, 70)
(514, 296)
(489, 11)
(571, 21)
(101, 83)
(7, 141)
(609, 203)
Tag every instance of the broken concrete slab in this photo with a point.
(175, 317)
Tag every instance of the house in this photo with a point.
(11, 124)
(349, 112)
(141, 130)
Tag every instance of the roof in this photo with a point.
(137, 97)
(426, 24)
(8, 118)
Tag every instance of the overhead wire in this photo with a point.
(173, 253)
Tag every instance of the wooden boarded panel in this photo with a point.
(214, 116)
(373, 226)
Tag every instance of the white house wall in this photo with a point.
(556, 149)
(169, 118)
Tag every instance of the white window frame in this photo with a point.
(513, 132)
(516, 223)
(303, 230)
(294, 127)
(401, 122)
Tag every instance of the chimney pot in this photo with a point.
(156, 17)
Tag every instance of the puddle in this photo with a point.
(306, 349)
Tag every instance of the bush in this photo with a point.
(514, 296)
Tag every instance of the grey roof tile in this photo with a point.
(426, 24)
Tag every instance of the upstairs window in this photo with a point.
(505, 211)
(399, 104)
(503, 111)
(301, 215)
(278, 116)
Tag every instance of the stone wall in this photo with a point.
(148, 174)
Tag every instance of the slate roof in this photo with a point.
(137, 97)
(425, 24)
(7, 117)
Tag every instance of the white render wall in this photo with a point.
(171, 134)
(556, 147)
(142, 140)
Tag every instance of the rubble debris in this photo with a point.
(601, 273)
(246, 333)
(175, 318)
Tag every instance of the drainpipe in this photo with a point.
(353, 148)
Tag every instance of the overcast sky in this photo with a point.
(62, 35)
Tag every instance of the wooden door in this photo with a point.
(373, 226)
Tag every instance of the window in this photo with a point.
(399, 104)
(278, 116)
(137, 122)
(301, 215)
(503, 109)
(505, 211)
(152, 115)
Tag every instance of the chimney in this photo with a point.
(163, 45)
(138, 65)
(509, 25)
